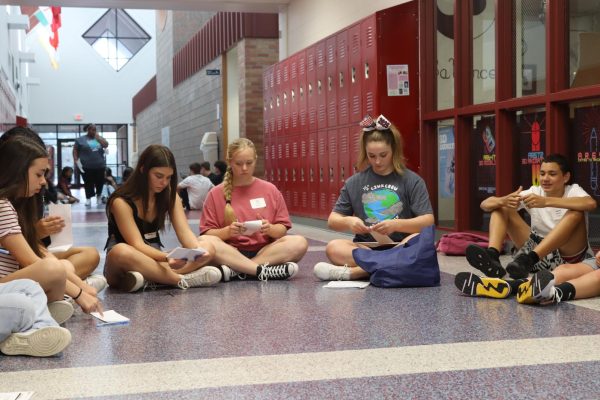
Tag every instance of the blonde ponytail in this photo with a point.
(229, 213)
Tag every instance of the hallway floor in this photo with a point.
(296, 339)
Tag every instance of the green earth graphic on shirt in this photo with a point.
(381, 204)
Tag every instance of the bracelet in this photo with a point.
(80, 291)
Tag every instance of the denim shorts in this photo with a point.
(591, 262)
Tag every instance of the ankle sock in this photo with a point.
(567, 289)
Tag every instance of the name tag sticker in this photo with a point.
(258, 203)
(151, 235)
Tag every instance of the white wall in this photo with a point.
(84, 83)
(308, 21)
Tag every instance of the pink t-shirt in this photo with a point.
(259, 200)
(9, 225)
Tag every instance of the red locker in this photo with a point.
(369, 71)
(354, 137)
(334, 169)
(303, 165)
(343, 78)
(267, 156)
(280, 163)
(344, 156)
(321, 88)
(301, 93)
(277, 106)
(285, 95)
(293, 95)
(294, 163)
(313, 176)
(272, 117)
(311, 92)
(274, 160)
(324, 181)
(331, 81)
(287, 171)
(354, 71)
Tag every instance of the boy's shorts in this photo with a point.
(552, 260)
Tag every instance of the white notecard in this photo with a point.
(63, 240)
(251, 227)
(346, 285)
(16, 395)
(110, 317)
(381, 239)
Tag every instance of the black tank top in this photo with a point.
(148, 230)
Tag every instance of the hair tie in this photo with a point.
(227, 201)
(380, 124)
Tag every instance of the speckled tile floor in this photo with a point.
(295, 339)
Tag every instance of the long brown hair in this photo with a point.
(136, 186)
(234, 147)
(391, 137)
(16, 157)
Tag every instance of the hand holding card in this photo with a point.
(251, 227)
(180, 253)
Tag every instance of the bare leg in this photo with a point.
(587, 286)
(569, 236)
(48, 272)
(226, 254)
(288, 248)
(339, 252)
(507, 221)
(568, 272)
(123, 258)
(84, 259)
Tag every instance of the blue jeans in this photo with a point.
(23, 307)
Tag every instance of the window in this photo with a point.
(116, 37)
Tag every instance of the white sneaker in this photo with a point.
(205, 276)
(282, 271)
(42, 342)
(88, 202)
(96, 281)
(228, 274)
(61, 310)
(98, 200)
(133, 281)
(329, 272)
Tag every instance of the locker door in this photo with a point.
(313, 175)
(285, 96)
(354, 135)
(354, 74)
(334, 169)
(344, 156)
(274, 160)
(369, 66)
(301, 94)
(293, 95)
(294, 206)
(321, 89)
(343, 79)
(311, 92)
(266, 109)
(268, 160)
(303, 171)
(277, 99)
(331, 81)
(287, 170)
(279, 165)
(323, 157)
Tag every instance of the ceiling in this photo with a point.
(271, 6)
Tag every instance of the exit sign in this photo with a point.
(213, 72)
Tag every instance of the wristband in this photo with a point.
(80, 291)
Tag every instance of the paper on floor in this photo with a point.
(346, 284)
(110, 317)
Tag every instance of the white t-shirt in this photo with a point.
(543, 220)
(9, 225)
(197, 187)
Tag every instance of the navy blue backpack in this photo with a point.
(414, 264)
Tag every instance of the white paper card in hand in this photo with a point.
(180, 253)
(63, 240)
(251, 226)
(381, 239)
(346, 284)
(110, 317)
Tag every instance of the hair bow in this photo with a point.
(380, 124)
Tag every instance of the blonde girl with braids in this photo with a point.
(268, 253)
(384, 199)
(137, 211)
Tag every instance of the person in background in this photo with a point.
(127, 171)
(88, 155)
(269, 253)
(64, 184)
(194, 188)
(220, 168)
(206, 172)
(109, 182)
(26, 325)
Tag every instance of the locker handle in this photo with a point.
(321, 174)
(277, 100)
(367, 70)
(319, 86)
(343, 172)
(353, 75)
(301, 92)
(293, 95)
(329, 83)
(310, 89)
(331, 174)
(294, 175)
(312, 175)
(302, 175)
(341, 79)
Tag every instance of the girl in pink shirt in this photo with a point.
(268, 252)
